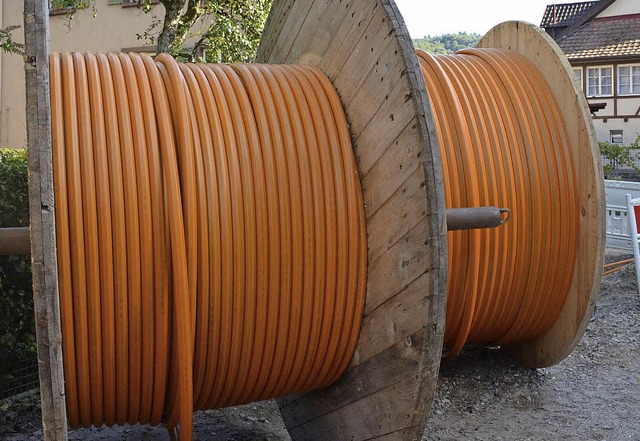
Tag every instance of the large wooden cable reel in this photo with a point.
(395, 366)
(364, 49)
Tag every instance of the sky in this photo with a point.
(435, 17)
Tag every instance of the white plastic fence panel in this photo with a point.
(617, 215)
(634, 240)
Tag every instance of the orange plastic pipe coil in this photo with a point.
(210, 233)
(503, 142)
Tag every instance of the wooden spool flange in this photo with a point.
(364, 48)
(544, 53)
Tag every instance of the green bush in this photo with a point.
(17, 327)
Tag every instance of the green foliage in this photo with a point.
(619, 156)
(235, 32)
(17, 326)
(447, 43)
(224, 30)
(70, 5)
(7, 44)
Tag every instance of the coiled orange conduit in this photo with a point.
(210, 232)
(503, 142)
(182, 201)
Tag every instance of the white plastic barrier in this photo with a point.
(631, 203)
(618, 226)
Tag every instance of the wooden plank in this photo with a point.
(374, 85)
(397, 268)
(397, 216)
(383, 374)
(42, 213)
(397, 436)
(331, 36)
(272, 28)
(544, 53)
(376, 416)
(366, 54)
(354, 33)
(382, 129)
(395, 320)
(296, 15)
(14, 241)
(306, 32)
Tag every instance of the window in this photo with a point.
(57, 7)
(600, 81)
(629, 79)
(577, 73)
(131, 2)
(615, 137)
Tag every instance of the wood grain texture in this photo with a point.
(41, 210)
(365, 50)
(14, 241)
(565, 334)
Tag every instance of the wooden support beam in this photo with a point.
(41, 208)
(14, 241)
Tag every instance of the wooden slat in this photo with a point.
(272, 28)
(352, 36)
(396, 269)
(544, 53)
(403, 211)
(376, 374)
(376, 415)
(296, 15)
(394, 167)
(374, 84)
(396, 110)
(41, 211)
(394, 320)
(306, 31)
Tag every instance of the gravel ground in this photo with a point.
(593, 395)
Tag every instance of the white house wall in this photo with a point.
(630, 130)
(621, 7)
(628, 106)
(114, 28)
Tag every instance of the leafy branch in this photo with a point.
(7, 43)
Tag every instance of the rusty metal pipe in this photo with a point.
(477, 217)
(14, 241)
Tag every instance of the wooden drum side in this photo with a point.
(364, 48)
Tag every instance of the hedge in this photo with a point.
(17, 326)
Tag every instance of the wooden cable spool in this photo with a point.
(364, 49)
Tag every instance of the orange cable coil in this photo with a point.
(220, 205)
(503, 141)
(210, 233)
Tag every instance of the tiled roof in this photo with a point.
(604, 38)
(565, 14)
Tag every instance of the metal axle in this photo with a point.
(477, 217)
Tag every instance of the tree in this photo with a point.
(618, 157)
(228, 30)
(233, 30)
(6, 41)
(447, 43)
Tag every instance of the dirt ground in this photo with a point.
(593, 395)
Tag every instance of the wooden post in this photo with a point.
(41, 208)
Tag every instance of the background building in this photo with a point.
(602, 42)
(110, 25)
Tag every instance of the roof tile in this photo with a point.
(565, 14)
(604, 37)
